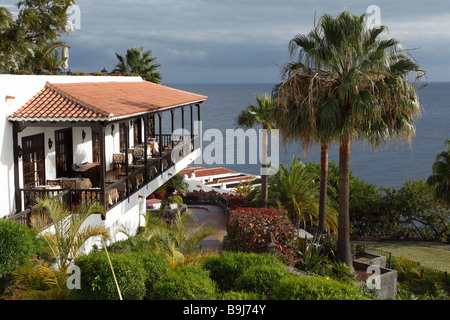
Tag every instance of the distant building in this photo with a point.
(219, 179)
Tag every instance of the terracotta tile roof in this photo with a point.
(101, 101)
(189, 171)
(232, 179)
(202, 172)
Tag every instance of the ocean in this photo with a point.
(390, 165)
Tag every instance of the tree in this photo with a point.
(440, 178)
(263, 114)
(67, 234)
(358, 86)
(179, 241)
(38, 22)
(44, 57)
(295, 189)
(300, 123)
(140, 62)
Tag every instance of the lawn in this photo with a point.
(434, 258)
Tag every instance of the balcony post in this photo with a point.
(192, 124)
(182, 122)
(199, 128)
(101, 130)
(160, 143)
(173, 124)
(145, 118)
(17, 194)
(127, 146)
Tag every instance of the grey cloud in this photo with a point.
(210, 37)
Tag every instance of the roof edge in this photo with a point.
(155, 111)
(82, 103)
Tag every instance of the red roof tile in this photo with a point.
(189, 171)
(202, 172)
(102, 100)
(232, 179)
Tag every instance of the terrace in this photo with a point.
(109, 142)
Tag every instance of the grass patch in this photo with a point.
(434, 258)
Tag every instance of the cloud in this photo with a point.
(237, 38)
(183, 55)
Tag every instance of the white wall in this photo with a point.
(128, 214)
(23, 88)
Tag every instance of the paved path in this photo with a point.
(215, 216)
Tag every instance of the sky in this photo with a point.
(239, 41)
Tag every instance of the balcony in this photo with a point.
(94, 141)
(120, 183)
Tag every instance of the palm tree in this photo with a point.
(358, 88)
(297, 122)
(180, 241)
(39, 280)
(262, 114)
(63, 230)
(140, 62)
(295, 189)
(44, 57)
(440, 178)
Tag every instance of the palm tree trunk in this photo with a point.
(343, 245)
(323, 187)
(264, 176)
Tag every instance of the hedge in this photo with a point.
(315, 288)
(261, 279)
(191, 282)
(17, 245)
(252, 229)
(226, 268)
(97, 281)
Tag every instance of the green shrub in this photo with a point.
(315, 288)
(186, 283)
(261, 279)
(175, 199)
(129, 245)
(227, 267)
(238, 295)
(17, 245)
(97, 281)
(155, 265)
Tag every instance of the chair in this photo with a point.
(69, 183)
(54, 182)
(138, 153)
(118, 158)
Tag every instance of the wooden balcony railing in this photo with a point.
(117, 188)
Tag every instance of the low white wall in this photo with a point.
(128, 215)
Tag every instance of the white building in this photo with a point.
(218, 179)
(91, 137)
